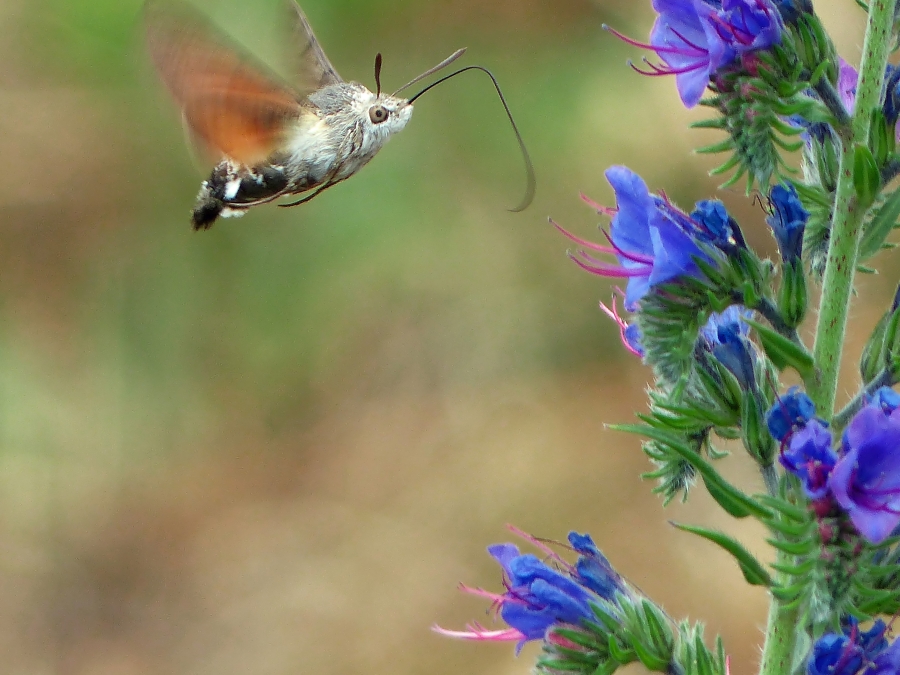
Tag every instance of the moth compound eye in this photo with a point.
(378, 114)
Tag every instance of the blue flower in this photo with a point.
(716, 225)
(788, 221)
(789, 412)
(866, 479)
(790, 10)
(834, 654)
(886, 663)
(653, 241)
(846, 653)
(725, 335)
(749, 25)
(539, 597)
(810, 457)
(696, 38)
(847, 79)
(885, 398)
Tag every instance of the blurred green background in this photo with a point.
(277, 446)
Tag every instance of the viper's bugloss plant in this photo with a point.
(720, 326)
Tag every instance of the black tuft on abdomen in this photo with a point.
(260, 185)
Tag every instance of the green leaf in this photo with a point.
(729, 497)
(751, 568)
(878, 229)
(783, 352)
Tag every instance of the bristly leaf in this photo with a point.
(729, 497)
(784, 353)
(751, 568)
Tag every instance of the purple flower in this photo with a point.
(653, 240)
(789, 412)
(885, 398)
(788, 220)
(539, 597)
(847, 78)
(696, 38)
(846, 653)
(888, 662)
(725, 335)
(791, 9)
(892, 94)
(866, 479)
(749, 25)
(810, 457)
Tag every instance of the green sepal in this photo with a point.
(877, 229)
(754, 432)
(782, 352)
(715, 148)
(789, 594)
(790, 547)
(789, 529)
(785, 508)
(882, 350)
(650, 660)
(622, 654)
(866, 176)
(735, 502)
(792, 296)
(881, 137)
(800, 569)
(580, 638)
(751, 568)
(563, 665)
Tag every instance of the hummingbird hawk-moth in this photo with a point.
(273, 139)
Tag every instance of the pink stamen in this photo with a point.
(580, 241)
(644, 45)
(608, 270)
(538, 544)
(603, 210)
(700, 50)
(613, 313)
(655, 70)
(635, 257)
(495, 598)
(478, 632)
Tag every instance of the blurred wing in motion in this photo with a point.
(314, 69)
(229, 102)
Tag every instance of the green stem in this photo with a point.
(846, 222)
(783, 627)
(781, 634)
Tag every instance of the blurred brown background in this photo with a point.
(277, 446)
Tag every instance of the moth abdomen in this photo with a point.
(230, 190)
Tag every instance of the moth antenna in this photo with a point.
(378, 74)
(531, 181)
(431, 71)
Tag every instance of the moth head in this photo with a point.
(388, 114)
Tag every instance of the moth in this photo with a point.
(276, 140)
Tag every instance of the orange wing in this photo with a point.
(233, 106)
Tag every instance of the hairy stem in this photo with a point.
(782, 629)
(847, 219)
